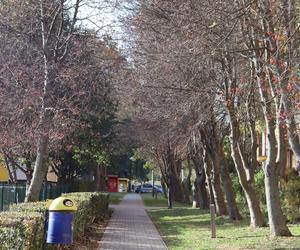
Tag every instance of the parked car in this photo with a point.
(147, 188)
(137, 189)
(158, 188)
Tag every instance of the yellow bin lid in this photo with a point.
(48, 203)
(63, 204)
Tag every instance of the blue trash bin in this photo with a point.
(60, 222)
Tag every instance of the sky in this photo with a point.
(100, 16)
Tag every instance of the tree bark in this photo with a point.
(277, 220)
(256, 216)
(292, 46)
(215, 149)
(270, 102)
(187, 183)
(233, 210)
(170, 201)
(217, 193)
(274, 162)
(200, 192)
(40, 170)
(170, 197)
(173, 166)
(176, 188)
(164, 188)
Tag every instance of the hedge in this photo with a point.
(90, 206)
(22, 228)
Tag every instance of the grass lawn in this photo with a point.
(188, 228)
(149, 201)
(115, 198)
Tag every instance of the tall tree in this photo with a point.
(59, 70)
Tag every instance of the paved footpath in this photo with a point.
(130, 228)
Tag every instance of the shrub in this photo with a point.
(291, 198)
(83, 186)
(290, 195)
(90, 206)
(259, 180)
(23, 226)
(237, 188)
(21, 230)
(39, 207)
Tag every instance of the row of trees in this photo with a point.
(215, 73)
(57, 100)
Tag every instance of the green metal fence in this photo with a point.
(11, 194)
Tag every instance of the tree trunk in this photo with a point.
(40, 170)
(215, 150)
(186, 190)
(174, 184)
(211, 143)
(170, 203)
(291, 23)
(170, 197)
(210, 191)
(204, 198)
(277, 220)
(176, 188)
(209, 185)
(233, 210)
(164, 188)
(244, 174)
(256, 216)
(187, 184)
(274, 158)
(293, 136)
(217, 192)
(11, 168)
(195, 194)
(200, 195)
(29, 171)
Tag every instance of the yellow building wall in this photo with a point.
(4, 176)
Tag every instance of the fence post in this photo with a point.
(16, 197)
(2, 197)
(45, 191)
(212, 220)
(50, 192)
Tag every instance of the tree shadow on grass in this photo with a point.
(195, 216)
(176, 223)
(172, 223)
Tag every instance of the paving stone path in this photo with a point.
(130, 228)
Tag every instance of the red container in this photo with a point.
(112, 181)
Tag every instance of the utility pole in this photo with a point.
(152, 183)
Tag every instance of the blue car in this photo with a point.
(158, 188)
(147, 188)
